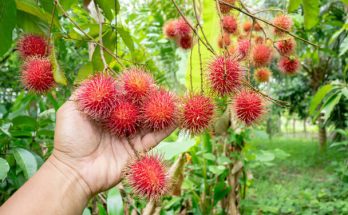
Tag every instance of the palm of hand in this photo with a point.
(94, 154)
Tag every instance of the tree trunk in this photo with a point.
(322, 133)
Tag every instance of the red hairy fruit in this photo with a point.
(137, 83)
(182, 28)
(169, 29)
(259, 40)
(159, 111)
(97, 96)
(224, 75)
(289, 65)
(243, 48)
(286, 47)
(257, 27)
(225, 8)
(37, 75)
(124, 119)
(284, 22)
(148, 176)
(229, 24)
(185, 42)
(33, 45)
(224, 40)
(198, 111)
(261, 55)
(247, 26)
(248, 107)
(262, 75)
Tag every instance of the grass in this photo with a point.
(303, 183)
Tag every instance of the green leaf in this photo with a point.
(108, 7)
(7, 23)
(330, 104)
(318, 98)
(344, 46)
(58, 74)
(211, 21)
(345, 92)
(172, 149)
(30, 23)
(84, 72)
(26, 161)
(220, 191)
(4, 168)
(126, 37)
(265, 156)
(114, 202)
(217, 170)
(101, 209)
(209, 156)
(345, 1)
(293, 5)
(66, 4)
(31, 8)
(86, 211)
(24, 121)
(311, 13)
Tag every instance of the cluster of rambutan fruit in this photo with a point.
(251, 46)
(37, 70)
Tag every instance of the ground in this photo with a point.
(308, 181)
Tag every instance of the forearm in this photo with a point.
(54, 189)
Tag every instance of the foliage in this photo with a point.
(307, 182)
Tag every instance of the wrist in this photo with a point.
(74, 180)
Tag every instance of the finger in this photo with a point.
(150, 140)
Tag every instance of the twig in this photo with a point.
(200, 66)
(193, 29)
(50, 28)
(268, 23)
(100, 21)
(278, 102)
(191, 82)
(199, 24)
(87, 35)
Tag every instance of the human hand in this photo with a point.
(96, 156)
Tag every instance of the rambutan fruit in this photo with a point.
(182, 28)
(198, 111)
(283, 21)
(224, 75)
(148, 176)
(232, 49)
(286, 47)
(124, 119)
(136, 83)
(243, 48)
(289, 65)
(261, 55)
(224, 40)
(259, 40)
(37, 74)
(247, 26)
(185, 42)
(248, 107)
(33, 45)
(97, 96)
(262, 74)
(169, 29)
(159, 111)
(257, 27)
(226, 8)
(229, 24)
